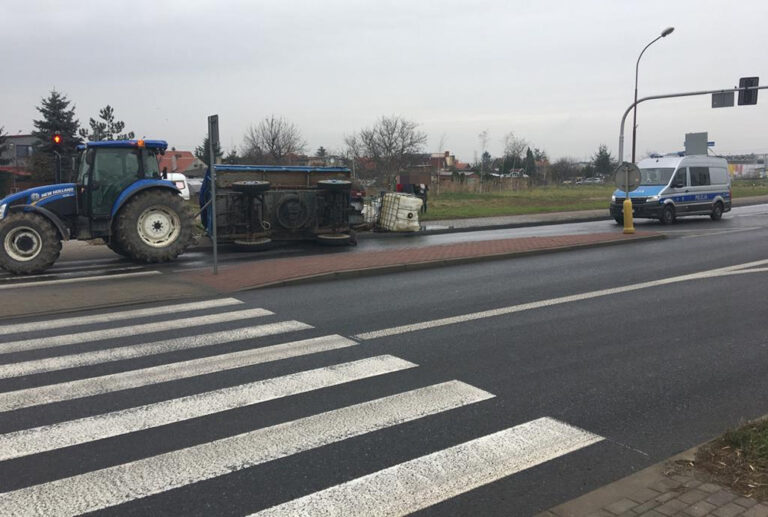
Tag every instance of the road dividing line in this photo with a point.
(138, 479)
(132, 330)
(50, 364)
(730, 270)
(89, 429)
(79, 279)
(428, 480)
(167, 372)
(77, 321)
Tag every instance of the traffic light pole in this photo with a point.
(57, 167)
(670, 96)
(627, 202)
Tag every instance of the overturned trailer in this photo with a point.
(257, 204)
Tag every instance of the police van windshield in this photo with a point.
(657, 176)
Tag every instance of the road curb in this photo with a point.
(430, 264)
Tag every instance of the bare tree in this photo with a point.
(389, 143)
(273, 140)
(514, 149)
(564, 169)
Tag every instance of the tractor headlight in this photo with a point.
(3, 207)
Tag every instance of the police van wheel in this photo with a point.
(717, 211)
(667, 215)
(619, 220)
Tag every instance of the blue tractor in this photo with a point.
(119, 195)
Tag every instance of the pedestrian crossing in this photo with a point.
(57, 376)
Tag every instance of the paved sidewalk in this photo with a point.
(670, 488)
(284, 271)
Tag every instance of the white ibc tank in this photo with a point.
(400, 212)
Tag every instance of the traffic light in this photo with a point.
(750, 96)
(56, 139)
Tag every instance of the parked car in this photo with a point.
(180, 181)
(194, 185)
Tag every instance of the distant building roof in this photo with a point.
(16, 171)
(184, 160)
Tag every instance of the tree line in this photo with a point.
(380, 151)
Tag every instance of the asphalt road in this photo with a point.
(443, 391)
(84, 260)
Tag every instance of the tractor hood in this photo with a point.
(38, 196)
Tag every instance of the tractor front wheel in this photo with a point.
(29, 243)
(154, 226)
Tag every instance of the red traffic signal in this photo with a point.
(56, 138)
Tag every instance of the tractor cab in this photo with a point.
(107, 171)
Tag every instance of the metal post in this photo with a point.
(213, 138)
(664, 34)
(57, 167)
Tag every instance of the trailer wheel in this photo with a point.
(250, 187)
(154, 226)
(29, 243)
(335, 239)
(334, 184)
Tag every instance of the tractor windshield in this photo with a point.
(151, 166)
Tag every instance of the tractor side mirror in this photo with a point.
(89, 157)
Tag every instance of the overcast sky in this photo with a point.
(556, 73)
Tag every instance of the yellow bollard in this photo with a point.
(628, 226)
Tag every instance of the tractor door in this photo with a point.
(114, 169)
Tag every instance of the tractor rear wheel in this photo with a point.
(114, 244)
(29, 243)
(154, 226)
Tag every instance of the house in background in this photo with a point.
(14, 163)
(184, 162)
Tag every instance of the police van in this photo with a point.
(675, 186)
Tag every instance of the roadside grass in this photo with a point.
(562, 198)
(459, 205)
(739, 459)
(747, 188)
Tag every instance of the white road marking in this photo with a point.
(158, 347)
(123, 483)
(167, 372)
(84, 430)
(74, 321)
(132, 330)
(67, 273)
(79, 279)
(428, 480)
(730, 270)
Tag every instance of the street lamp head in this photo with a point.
(666, 32)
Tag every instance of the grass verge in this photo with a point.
(461, 205)
(739, 459)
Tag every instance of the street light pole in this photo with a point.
(666, 32)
